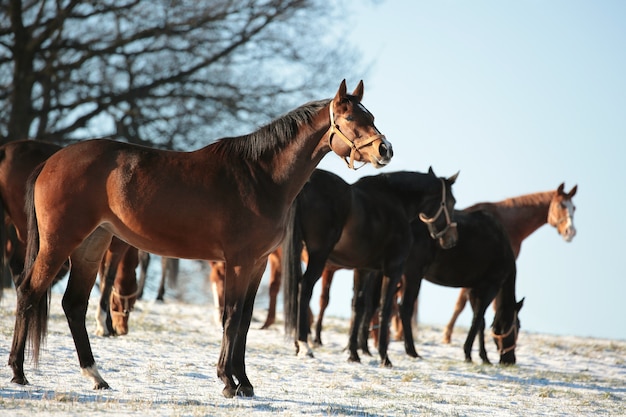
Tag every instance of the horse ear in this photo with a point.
(560, 189)
(519, 305)
(358, 91)
(430, 170)
(341, 93)
(572, 191)
(453, 178)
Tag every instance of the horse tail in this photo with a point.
(291, 268)
(35, 308)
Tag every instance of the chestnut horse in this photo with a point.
(363, 225)
(521, 216)
(158, 201)
(18, 159)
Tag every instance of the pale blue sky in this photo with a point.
(518, 96)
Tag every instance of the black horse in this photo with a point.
(482, 260)
(365, 225)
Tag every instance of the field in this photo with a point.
(166, 367)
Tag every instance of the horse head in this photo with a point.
(441, 225)
(122, 303)
(352, 133)
(505, 335)
(561, 212)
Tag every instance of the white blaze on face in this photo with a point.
(569, 230)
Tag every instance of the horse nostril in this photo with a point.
(385, 150)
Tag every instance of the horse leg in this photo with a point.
(144, 261)
(371, 296)
(32, 310)
(327, 279)
(388, 291)
(411, 292)
(458, 308)
(85, 263)
(311, 276)
(164, 272)
(217, 288)
(108, 271)
(358, 312)
(479, 301)
(275, 281)
(239, 367)
(238, 305)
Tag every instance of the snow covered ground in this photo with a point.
(166, 366)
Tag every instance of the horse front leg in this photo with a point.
(240, 287)
(479, 303)
(108, 270)
(327, 279)
(407, 307)
(388, 291)
(357, 317)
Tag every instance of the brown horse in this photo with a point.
(118, 288)
(158, 201)
(521, 216)
(18, 159)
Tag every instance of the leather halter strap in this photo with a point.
(334, 130)
(125, 299)
(443, 208)
(500, 337)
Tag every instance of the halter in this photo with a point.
(125, 299)
(443, 208)
(554, 221)
(334, 129)
(500, 337)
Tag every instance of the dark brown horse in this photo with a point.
(363, 225)
(482, 261)
(522, 216)
(227, 201)
(18, 159)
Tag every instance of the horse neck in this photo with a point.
(520, 216)
(506, 301)
(291, 168)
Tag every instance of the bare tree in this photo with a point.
(167, 73)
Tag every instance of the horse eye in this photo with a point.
(350, 118)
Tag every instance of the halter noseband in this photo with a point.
(334, 129)
(500, 337)
(443, 208)
(125, 299)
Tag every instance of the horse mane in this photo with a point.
(525, 200)
(271, 137)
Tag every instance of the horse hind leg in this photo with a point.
(458, 308)
(32, 311)
(85, 264)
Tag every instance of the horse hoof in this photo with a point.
(229, 392)
(386, 364)
(101, 385)
(20, 380)
(245, 391)
(354, 358)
